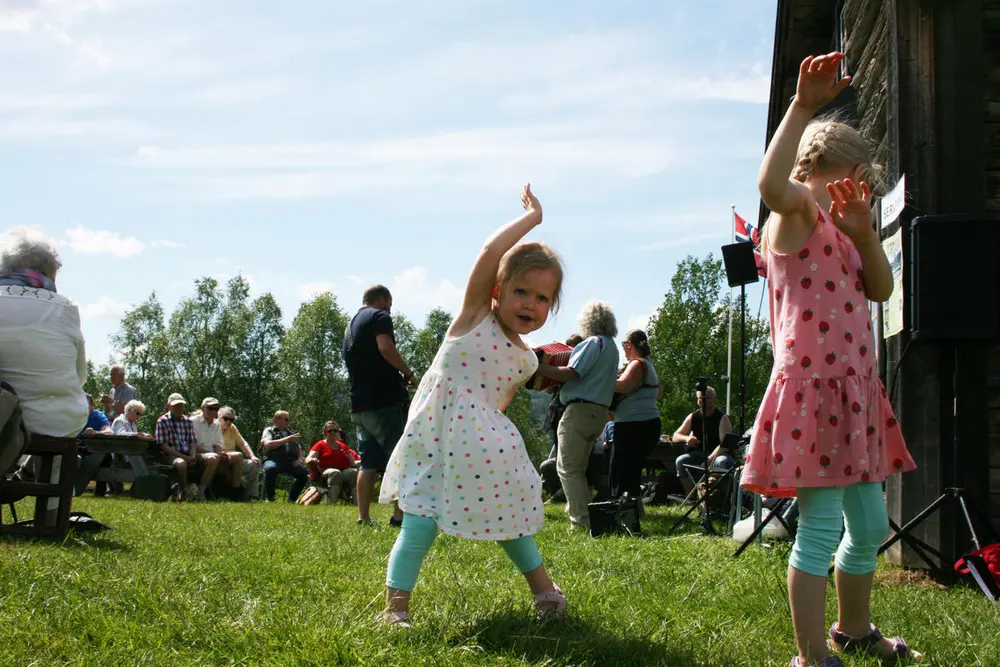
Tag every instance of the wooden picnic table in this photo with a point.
(133, 448)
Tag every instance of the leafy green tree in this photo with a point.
(688, 338)
(197, 344)
(148, 357)
(312, 377)
(428, 340)
(259, 390)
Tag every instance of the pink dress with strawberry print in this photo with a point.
(825, 419)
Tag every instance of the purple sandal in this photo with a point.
(848, 644)
(828, 661)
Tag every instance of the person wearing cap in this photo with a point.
(242, 460)
(209, 433)
(178, 443)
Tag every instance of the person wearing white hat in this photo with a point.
(178, 442)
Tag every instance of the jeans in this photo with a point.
(696, 457)
(271, 470)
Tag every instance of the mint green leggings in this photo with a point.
(823, 512)
(415, 540)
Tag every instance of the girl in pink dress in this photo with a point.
(825, 432)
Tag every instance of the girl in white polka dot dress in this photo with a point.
(461, 465)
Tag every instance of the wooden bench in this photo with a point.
(47, 448)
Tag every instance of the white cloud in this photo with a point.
(483, 157)
(105, 308)
(102, 242)
(167, 244)
(415, 294)
(306, 291)
(638, 322)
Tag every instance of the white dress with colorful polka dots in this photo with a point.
(460, 461)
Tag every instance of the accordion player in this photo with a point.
(553, 354)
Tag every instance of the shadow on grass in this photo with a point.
(571, 642)
(74, 540)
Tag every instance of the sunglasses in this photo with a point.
(140, 412)
(228, 419)
(212, 408)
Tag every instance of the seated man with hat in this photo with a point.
(178, 444)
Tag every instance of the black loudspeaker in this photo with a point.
(741, 265)
(954, 277)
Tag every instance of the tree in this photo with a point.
(147, 356)
(258, 390)
(428, 340)
(313, 379)
(688, 339)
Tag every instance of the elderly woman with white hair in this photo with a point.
(41, 345)
(589, 379)
(125, 423)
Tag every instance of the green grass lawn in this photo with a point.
(279, 584)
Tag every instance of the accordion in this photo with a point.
(553, 354)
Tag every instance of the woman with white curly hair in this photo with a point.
(589, 379)
(41, 345)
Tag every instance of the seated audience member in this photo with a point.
(713, 428)
(178, 443)
(209, 433)
(597, 469)
(125, 423)
(42, 354)
(242, 461)
(97, 421)
(282, 454)
(332, 464)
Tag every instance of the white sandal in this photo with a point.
(544, 603)
(396, 619)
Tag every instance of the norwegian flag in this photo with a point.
(747, 233)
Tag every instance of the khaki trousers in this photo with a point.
(579, 428)
(336, 479)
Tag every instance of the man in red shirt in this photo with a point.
(332, 464)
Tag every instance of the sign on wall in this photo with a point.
(892, 310)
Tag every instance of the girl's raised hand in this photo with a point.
(850, 208)
(818, 80)
(530, 201)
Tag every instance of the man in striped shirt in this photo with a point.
(178, 443)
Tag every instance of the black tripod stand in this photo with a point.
(953, 495)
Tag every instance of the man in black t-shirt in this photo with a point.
(704, 435)
(378, 376)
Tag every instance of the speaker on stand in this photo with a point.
(950, 310)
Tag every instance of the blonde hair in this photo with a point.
(829, 144)
(227, 411)
(525, 257)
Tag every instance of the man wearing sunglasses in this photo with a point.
(209, 434)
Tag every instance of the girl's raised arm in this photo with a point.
(478, 293)
(818, 84)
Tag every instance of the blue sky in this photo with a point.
(320, 144)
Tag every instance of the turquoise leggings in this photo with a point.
(823, 512)
(415, 540)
